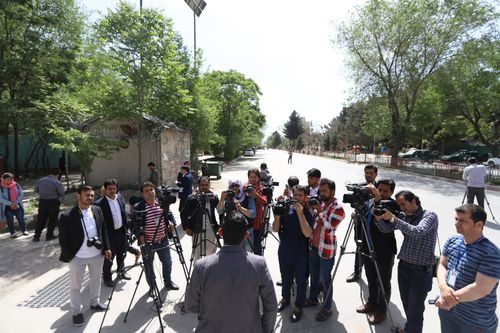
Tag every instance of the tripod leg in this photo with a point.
(465, 195)
(489, 207)
(133, 295)
(107, 308)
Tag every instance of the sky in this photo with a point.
(285, 46)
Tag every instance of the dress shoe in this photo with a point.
(51, 237)
(171, 286)
(296, 315)
(125, 276)
(352, 278)
(37, 239)
(109, 283)
(283, 304)
(377, 317)
(366, 308)
(99, 307)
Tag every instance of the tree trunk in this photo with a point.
(139, 143)
(16, 148)
(7, 148)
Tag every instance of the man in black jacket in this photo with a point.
(113, 208)
(83, 240)
(192, 218)
(384, 245)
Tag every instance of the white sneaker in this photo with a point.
(26, 233)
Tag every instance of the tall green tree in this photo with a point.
(274, 140)
(294, 127)
(394, 46)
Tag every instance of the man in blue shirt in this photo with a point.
(468, 273)
(294, 229)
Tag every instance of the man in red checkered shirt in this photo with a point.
(323, 246)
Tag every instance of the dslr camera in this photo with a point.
(313, 201)
(390, 205)
(95, 242)
(282, 206)
(360, 194)
(249, 189)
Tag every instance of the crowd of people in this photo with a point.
(95, 232)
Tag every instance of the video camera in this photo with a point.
(267, 190)
(137, 221)
(204, 197)
(229, 204)
(313, 201)
(390, 205)
(360, 194)
(165, 195)
(282, 206)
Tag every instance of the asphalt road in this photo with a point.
(34, 284)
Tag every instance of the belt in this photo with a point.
(416, 267)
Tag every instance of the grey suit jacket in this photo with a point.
(225, 290)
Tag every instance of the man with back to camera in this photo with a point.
(468, 273)
(155, 229)
(83, 240)
(226, 288)
(475, 174)
(384, 245)
(50, 191)
(113, 209)
(371, 172)
(294, 229)
(416, 256)
(186, 185)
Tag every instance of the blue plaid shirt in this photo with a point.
(420, 232)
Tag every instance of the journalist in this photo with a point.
(235, 199)
(324, 246)
(416, 256)
(155, 230)
(204, 201)
(254, 189)
(112, 205)
(468, 273)
(83, 240)
(370, 173)
(294, 226)
(384, 246)
(227, 288)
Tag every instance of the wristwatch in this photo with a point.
(393, 219)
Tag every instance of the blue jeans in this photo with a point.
(163, 251)
(414, 284)
(321, 272)
(19, 214)
(451, 325)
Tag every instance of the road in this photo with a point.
(35, 297)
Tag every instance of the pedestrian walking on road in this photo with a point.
(290, 157)
(11, 200)
(50, 191)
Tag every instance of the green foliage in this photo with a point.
(294, 127)
(274, 140)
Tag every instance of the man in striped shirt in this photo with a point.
(416, 257)
(155, 232)
(468, 273)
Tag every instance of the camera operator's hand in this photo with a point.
(299, 208)
(237, 204)
(189, 232)
(223, 196)
(108, 255)
(375, 192)
(141, 240)
(316, 207)
(286, 192)
(387, 216)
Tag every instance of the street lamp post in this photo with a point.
(197, 6)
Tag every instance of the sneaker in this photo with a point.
(13, 236)
(99, 307)
(26, 233)
(78, 320)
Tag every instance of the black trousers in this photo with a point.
(47, 209)
(385, 264)
(118, 244)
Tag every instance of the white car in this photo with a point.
(248, 152)
(493, 162)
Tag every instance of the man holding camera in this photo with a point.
(384, 246)
(199, 205)
(227, 288)
(294, 226)
(83, 240)
(416, 257)
(155, 228)
(113, 209)
(468, 273)
(324, 246)
(370, 172)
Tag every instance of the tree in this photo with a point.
(274, 140)
(395, 46)
(293, 127)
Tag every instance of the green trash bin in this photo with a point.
(214, 169)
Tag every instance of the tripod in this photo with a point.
(168, 216)
(359, 217)
(485, 199)
(265, 227)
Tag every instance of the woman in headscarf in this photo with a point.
(11, 200)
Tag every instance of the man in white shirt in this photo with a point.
(115, 218)
(474, 174)
(83, 240)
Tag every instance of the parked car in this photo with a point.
(494, 162)
(463, 155)
(417, 154)
(249, 152)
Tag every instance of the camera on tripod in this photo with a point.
(95, 242)
(267, 190)
(229, 205)
(283, 206)
(390, 205)
(360, 194)
(166, 195)
(204, 197)
(137, 221)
